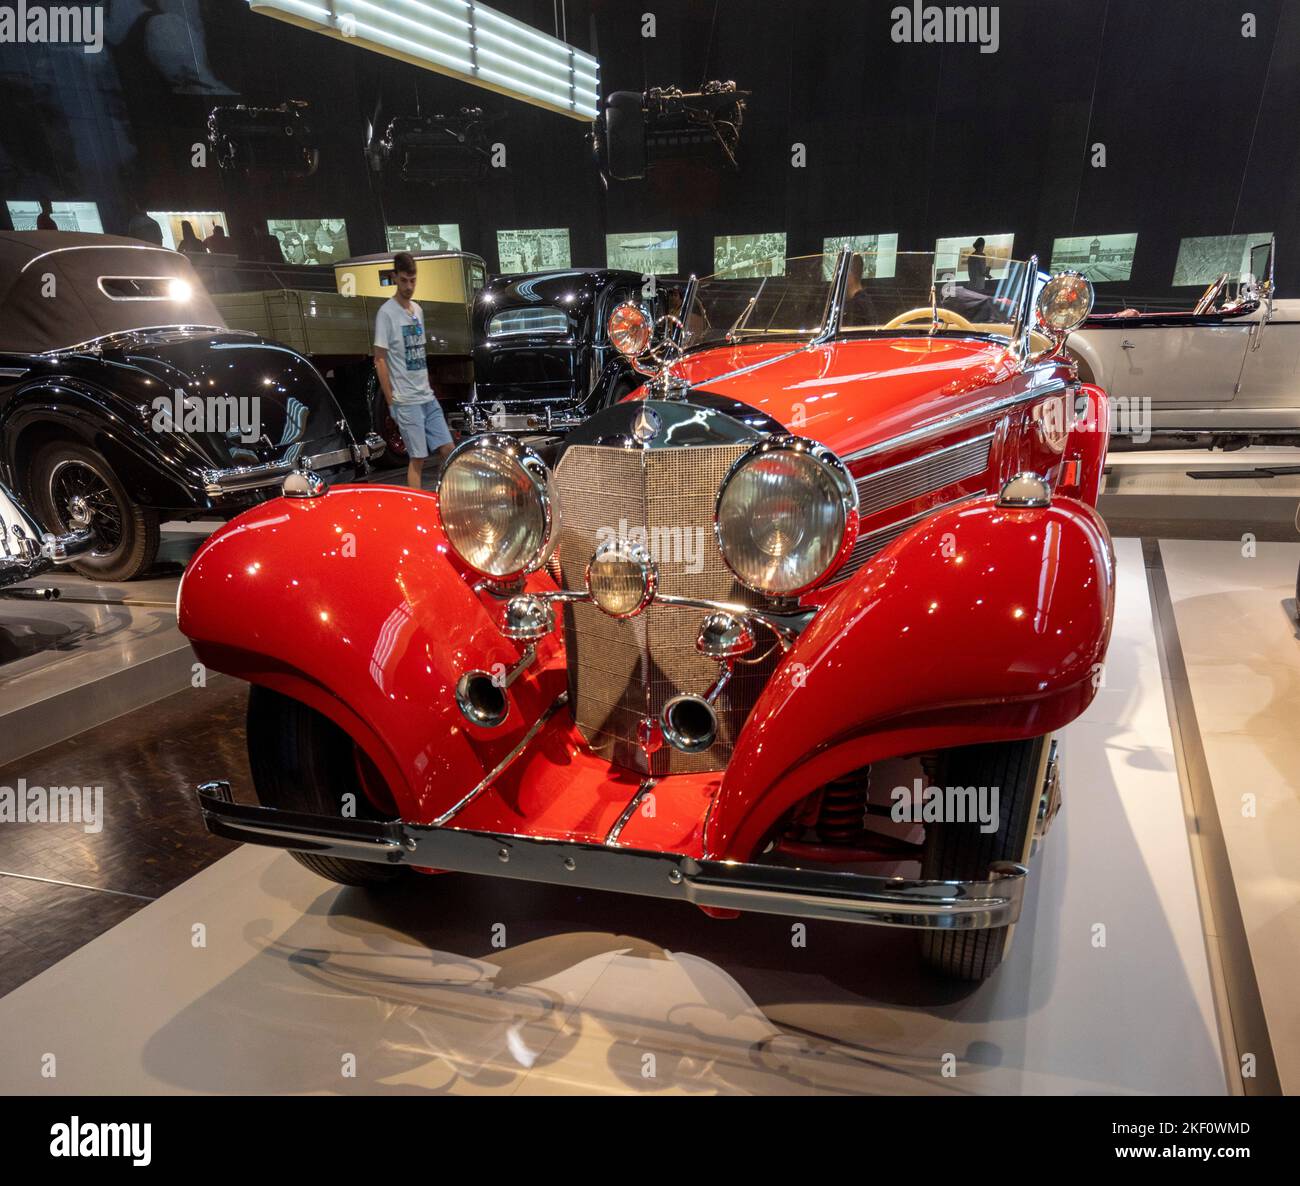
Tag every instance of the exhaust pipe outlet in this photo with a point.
(48, 593)
(481, 700)
(689, 723)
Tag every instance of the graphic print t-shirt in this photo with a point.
(401, 333)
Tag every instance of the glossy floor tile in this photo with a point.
(101, 650)
(62, 884)
(1235, 610)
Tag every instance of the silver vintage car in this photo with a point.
(1223, 374)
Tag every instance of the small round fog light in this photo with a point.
(621, 578)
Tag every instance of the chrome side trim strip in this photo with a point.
(938, 427)
(647, 785)
(755, 366)
(880, 473)
(522, 744)
(878, 490)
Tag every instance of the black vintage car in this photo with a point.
(125, 400)
(542, 356)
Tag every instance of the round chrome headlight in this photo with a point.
(495, 503)
(787, 516)
(1065, 302)
(630, 329)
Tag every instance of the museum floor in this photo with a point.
(461, 984)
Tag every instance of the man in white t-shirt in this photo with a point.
(403, 370)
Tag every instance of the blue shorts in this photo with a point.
(423, 427)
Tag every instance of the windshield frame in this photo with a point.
(832, 328)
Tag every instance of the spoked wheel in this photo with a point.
(302, 761)
(381, 420)
(74, 487)
(962, 851)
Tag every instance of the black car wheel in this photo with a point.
(960, 851)
(73, 487)
(302, 761)
(382, 422)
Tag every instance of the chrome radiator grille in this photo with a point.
(623, 671)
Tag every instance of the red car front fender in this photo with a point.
(1086, 446)
(981, 624)
(351, 603)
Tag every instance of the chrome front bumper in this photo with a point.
(728, 885)
(220, 483)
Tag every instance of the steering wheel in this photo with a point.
(947, 316)
(1210, 296)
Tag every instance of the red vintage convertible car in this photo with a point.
(788, 630)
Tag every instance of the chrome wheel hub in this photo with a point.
(79, 512)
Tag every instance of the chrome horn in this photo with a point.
(689, 722)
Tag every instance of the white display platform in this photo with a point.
(476, 986)
(1235, 610)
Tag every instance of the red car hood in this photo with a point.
(850, 395)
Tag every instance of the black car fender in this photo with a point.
(618, 377)
(158, 470)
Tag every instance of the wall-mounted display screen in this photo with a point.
(533, 251)
(952, 255)
(750, 255)
(203, 222)
(68, 216)
(877, 251)
(652, 253)
(432, 236)
(1203, 259)
(311, 240)
(1102, 258)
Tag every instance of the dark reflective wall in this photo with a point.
(1196, 120)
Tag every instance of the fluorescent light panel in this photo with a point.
(462, 39)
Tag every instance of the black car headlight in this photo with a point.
(786, 516)
(495, 502)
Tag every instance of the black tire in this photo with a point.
(302, 761)
(74, 486)
(382, 422)
(961, 852)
